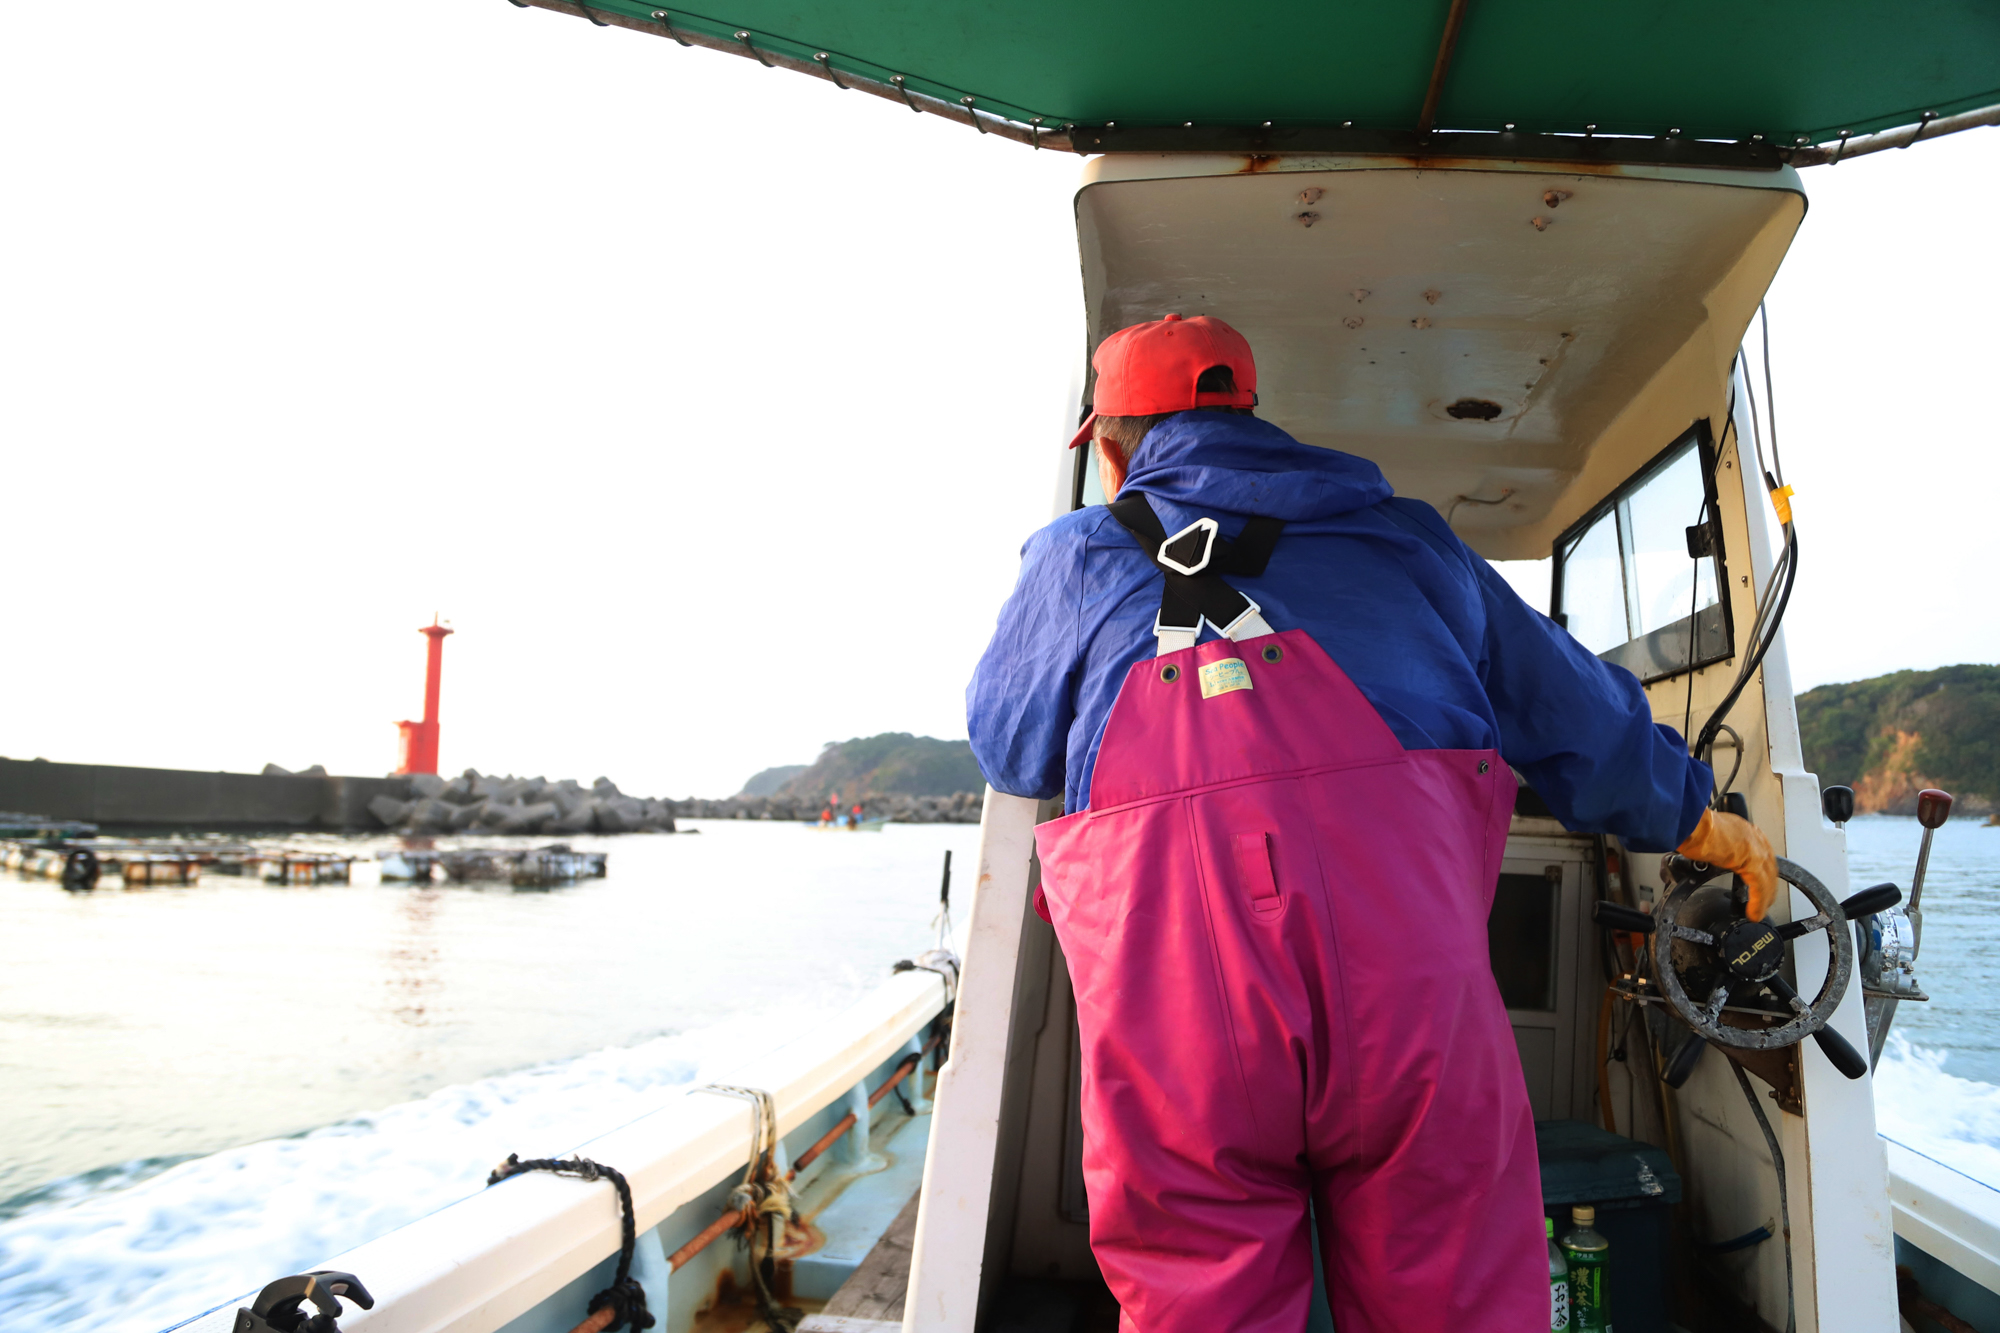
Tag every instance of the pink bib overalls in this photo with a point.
(1275, 919)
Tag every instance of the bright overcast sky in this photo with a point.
(710, 404)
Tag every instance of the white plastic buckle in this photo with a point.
(1243, 622)
(1207, 525)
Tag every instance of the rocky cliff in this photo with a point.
(1892, 736)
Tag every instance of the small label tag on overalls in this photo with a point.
(1223, 675)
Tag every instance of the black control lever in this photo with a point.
(1683, 1061)
(1839, 1054)
(1613, 916)
(1835, 1047)
(1837, 804)
(1870, 901)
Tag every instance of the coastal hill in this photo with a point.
(896, 776)
(1892, 736)
(894, 763)
(768, 782)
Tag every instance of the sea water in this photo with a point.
(1937, 1089)
(208, 1087)
(205, 1088)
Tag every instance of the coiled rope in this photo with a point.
(624, 1301)
(764, 1203)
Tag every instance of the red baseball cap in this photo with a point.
(1152, 368)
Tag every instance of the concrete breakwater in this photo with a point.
(959, 808)
(472, 803)
(154, 800)
(475, 803)
(166, 798)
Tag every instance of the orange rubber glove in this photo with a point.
(1731, 842)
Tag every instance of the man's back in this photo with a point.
(1442, 648)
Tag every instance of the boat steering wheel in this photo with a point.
(1723, 974)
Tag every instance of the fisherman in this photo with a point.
(1280, 705)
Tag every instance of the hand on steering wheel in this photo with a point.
(1730, 842)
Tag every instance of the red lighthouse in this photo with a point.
(420, 739)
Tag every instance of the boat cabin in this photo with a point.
(1549, 354)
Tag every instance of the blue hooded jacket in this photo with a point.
(1443, 648)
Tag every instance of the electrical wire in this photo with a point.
(1777, 594)
(1722, 788)
(1784, 1202)
(1770, 396)
(1457, 500)
(1764, 634)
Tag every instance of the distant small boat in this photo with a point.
(842, 826)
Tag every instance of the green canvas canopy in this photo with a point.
(1765, 78)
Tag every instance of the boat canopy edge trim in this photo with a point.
(1042, 129)
(852, 75)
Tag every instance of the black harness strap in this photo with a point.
(1194, 562)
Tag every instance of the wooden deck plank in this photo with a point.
(875, 1293)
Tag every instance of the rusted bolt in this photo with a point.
(1310, 196)
(1354, 322)
(1540, 224)
(1359, 294)
(1432, 295)
(1554, 198)
(1473, 409)
(1420, 323)
(1307, 218)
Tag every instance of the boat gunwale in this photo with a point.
(479, 1263)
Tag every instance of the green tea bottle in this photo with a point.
(1587, 1253)
(1558, 1283)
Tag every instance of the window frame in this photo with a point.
(1663, 653)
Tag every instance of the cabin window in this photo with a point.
(1521, 939)
(1638, 580)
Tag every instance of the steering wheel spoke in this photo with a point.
(1791, 930)
(1781, 988)
(1691, 935)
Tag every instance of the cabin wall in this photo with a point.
(1693, 384)
(1051, 1219)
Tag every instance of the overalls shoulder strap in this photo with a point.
(1194, 561)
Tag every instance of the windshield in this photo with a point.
(1638, 580)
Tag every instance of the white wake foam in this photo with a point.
(1952, 1119)
(144, 1257)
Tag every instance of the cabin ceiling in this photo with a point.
(1537, 305)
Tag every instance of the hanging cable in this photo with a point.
(1784, 1201)
(1722, 788)
(1777, 592)
(1770, 395)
